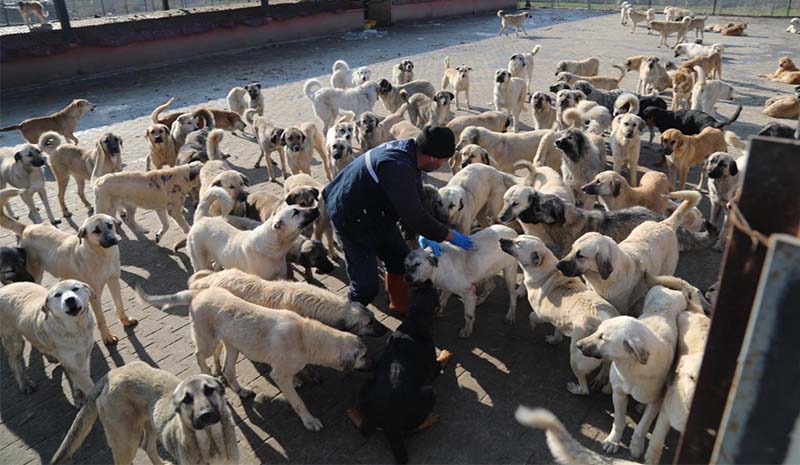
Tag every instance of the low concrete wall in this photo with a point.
(413, 10)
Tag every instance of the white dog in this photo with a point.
(509, 95)
(458, 271)
(343, 77)
(705, 94)
(520, 65)
(329, 102)
(693, 50)
(794, 26)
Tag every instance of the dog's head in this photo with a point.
(157, 134)
(199, 401)
(561, 66)
(419, 266)
(361, 75)
(517, 62)
(616, 339)
(453, 201)
(367, 122)
(314, 255)
(520, 203)
(253, 90)
(786, 64)
(679, 49)
(628, 124)
(187, 123)
(234, 183)
(339, 148)
(541, 101)
(422, 305)
(99, 231)
(303, 196)
(529, 251)
(68, 299)
(291, 220)
(671, 141)
(111, 145)
(29, 156)
(605, 184)
(474, 154)
(432, 202)
(566, 77)
(651, 62)
(443, 98)
(555, 88)
(353, 354)
(470, 135)
(568, 98)
(501, 76)
(82, 106)
(573, 143)
(293, 139)
(345, 129)
(406, 66)
(463, 72)
(592, 253)
(13, 268)
(359, 320)
(384, 87)
(720, 165)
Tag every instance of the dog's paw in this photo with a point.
(610, 447)
(465, 333)
(575, 388)
(110, 340)
(312, 424)
(55, 221)
(129, 322)
(246, 393)
(66, 214)
(510, 318)
(554, 338)
(637, 446)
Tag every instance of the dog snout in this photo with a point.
(38, 161)
(506, 216)
(667, 150)
(206, 418)
(590, 188)
(158, 139)
(568, 268)
(561, 143)
(715, 172)
(109, 240)
(629, 135)
(73, 305)
(588, 349)
(241, 196)
(375, 329)
(506, 245)
(295, 147)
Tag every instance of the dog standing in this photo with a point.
(652, 76)
(684, 151)
(24, 169)
(636, 17)
(517, 21)
(162, 148)
(268, 137)
(705, 94)
(403, 72)
(509, 95)
(723, 181)
(625, 146)
(30, 8)
(505, 148)
(581, 163)
(520, 65)
(247, 97)
(543, 110)
(343, 77)
(64, 122)
(327, 103)
(601, 82)
(586, 67)
(457, 77)
(665, 28)
(299, 143)
(141, 406)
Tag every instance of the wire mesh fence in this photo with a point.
(702, 7)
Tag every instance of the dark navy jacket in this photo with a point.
(363, 209)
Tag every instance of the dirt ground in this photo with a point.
(494, 371)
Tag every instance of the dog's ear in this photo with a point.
(245, 180)
(81, 233)
(315, 193)
(460, 204)
(451, 95)
(119, 141)
(276, 135)
(432, 259)
(635, 346)
(733, 168)
(45, 309)
(302, 137)
(641, 122)
(291, 198)
(217, 183)
(485, 157)
(18, 156)
(283, 139)
(616, 187)
(536, 259)
(604, 266)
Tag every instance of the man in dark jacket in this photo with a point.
(370, 195)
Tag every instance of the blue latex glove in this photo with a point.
(434, 246)
(461, 240)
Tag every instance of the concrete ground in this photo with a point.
(497, 369)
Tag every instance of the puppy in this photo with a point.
(299, 143)
(684, 151)
(91, 255)
(601, 82)
(13, 266)
(505, 148)
(343, 77)
(580, 164)
(403, 72)
(520, 65)
(705, 94)
(57, 322)
(241, 99)
(585, 67)
(64, 122)
(304, 191)
(457, 77)
(616, 271)
(688, 122)
(283, 339)
(652, 76)
(636, 17)
(458, 272)
(143, 406)
(328, 103)
(268, 138)
(641, 352)
(787, 73)
(566, 303)
(723, 181)
(543, 110)
(794, 26)
(69, 160)
(517, 21)
(30, 8)
(372, 130)
(162, 150)
(625, 146)
(735, 30)
(509, 95)
(391, 95)
(665, 28)
(24, 169)
(787, 106)
(693, 50)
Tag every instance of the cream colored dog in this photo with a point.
(636, 17)
(283, 339)
(625, 146)
(268, 137)
(457, 77)
(586, 67)
(517, 21)
(652, 76)
(520, 65)
(299, 143)
(705, 94)
(665, 28)
(24, 169)
(328, 102)
(505, 148)
(304, 191)
(63, 122)
(600, 82)
(509, 95)
(162, 148)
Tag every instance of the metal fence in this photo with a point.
(781, 8)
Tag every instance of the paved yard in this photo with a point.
(497, 369)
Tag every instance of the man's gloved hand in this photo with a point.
(434, 246)
(461, 240)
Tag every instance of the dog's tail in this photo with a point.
(690, 200)
(694, 298)
(718, 47)
(622, 72)
(49, 142)
(734, 141)
(207, 117)
(571, 117)
(194, 280)
(340, 65)
(536, 50)
(6, 221)
(164, 302)
(212, 144)
(527, 180)
(722, 124)
(701, 76)
(249, 116)
(547, 142)
(311, 87)
(81, 426)
(214, 194)
(500, 13)
(446, 63)
(346, 116)
(154, 115)
(626, 100)
(565, 449)
(10, 128)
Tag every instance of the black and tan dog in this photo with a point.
(13, 261)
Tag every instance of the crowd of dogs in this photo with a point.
(598, 248)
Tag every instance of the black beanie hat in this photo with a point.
(436, 141)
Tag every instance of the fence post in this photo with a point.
(588, 4)
(265, 8)
(5, 15)
(63, 19)
(165, 4)
(714, 10)
(789, 9)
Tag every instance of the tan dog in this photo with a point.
(268, 137)
(91, 256)
(24, 169)
(304, 191)
(665, 28)
(652, 76)
(161, 190)
(57, 322)
(496, 121)
(299, 143)
(787, 106)
(219, 173)
(625, 146)
(281, 338)
(69, 160)
(683, 151)
(521, 65)
(240, 99)
(162, 148)
(340, 154)
(711, 64)
(585, 67)
(682, 85)
(424, 110)
(636, 17)
(735, 30)
(457, 77)
(141, 406)
(505, 148)
(615, 193)
(372, 130)
(472, 154)
(509, 95)
(600, 82)
(403, 72)
(542, 110)
(787, 73)
(63, 122)
(405, 130)
(718, 27)
(517, 21)
(223, 119)
(32, 8)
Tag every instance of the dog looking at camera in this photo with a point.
(24, 169)
(509, 95)
(457, 77)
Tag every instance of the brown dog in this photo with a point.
(786, 73)
(163, 150)
(735, 30)
(684, 151)
(63, 122)
(682, 84)
(711, 64)
(223, 119)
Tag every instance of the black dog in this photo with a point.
(400, 398)
(781, 130)
(12, 266)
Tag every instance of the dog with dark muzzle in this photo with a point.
(13, 262)
(403, 72)
(723, 182)
(308, 253)
(141, 406)
(24, 169)
(400, 398)
(580, 164)
(543, 110)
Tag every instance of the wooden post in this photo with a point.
(165, 5)
(769, 203)
(265, 8)
(789, 8)
(714, 10)
(63, 19)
